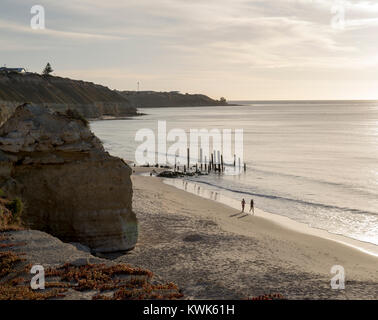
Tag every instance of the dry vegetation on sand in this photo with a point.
(108, 282)
(115, 282)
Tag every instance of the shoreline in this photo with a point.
(286, 222)
(213, 251)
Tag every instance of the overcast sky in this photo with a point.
(240, 49)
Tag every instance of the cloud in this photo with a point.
(8, 26)
(182, 39)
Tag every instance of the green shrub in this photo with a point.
(2, 193)
(16, 207)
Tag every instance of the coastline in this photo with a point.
(283, 221)
(111, 118)
(213, 251)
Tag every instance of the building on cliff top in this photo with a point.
(18, 70)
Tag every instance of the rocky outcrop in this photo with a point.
(71, 273)
(72, 188)
(89, 99)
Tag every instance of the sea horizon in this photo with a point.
(310, 101)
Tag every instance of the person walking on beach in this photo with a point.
(252, 208)
(243, 204)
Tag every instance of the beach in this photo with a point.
(314, 163)
(213, 251)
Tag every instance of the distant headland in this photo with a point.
(93, 101)
(154, 99)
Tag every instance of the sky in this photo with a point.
(238, 49)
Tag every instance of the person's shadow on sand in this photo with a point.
(241, 217)
(235, 214)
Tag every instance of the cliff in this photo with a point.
(71, 187)
(152, 99)
(89, 99)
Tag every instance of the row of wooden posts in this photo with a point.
(210, 166)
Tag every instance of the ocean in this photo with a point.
(315, 162)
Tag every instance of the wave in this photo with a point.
(276, 197)
(320, 181)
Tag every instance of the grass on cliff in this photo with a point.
(10, 213)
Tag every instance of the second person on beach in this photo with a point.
(252, 208)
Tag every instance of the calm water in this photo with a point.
(316, 163)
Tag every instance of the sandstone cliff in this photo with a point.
(91, 100)
(72, 188)
(152, 99)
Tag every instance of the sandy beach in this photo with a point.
(215, 252)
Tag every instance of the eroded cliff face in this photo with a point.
(72, 188)
(59, 94)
